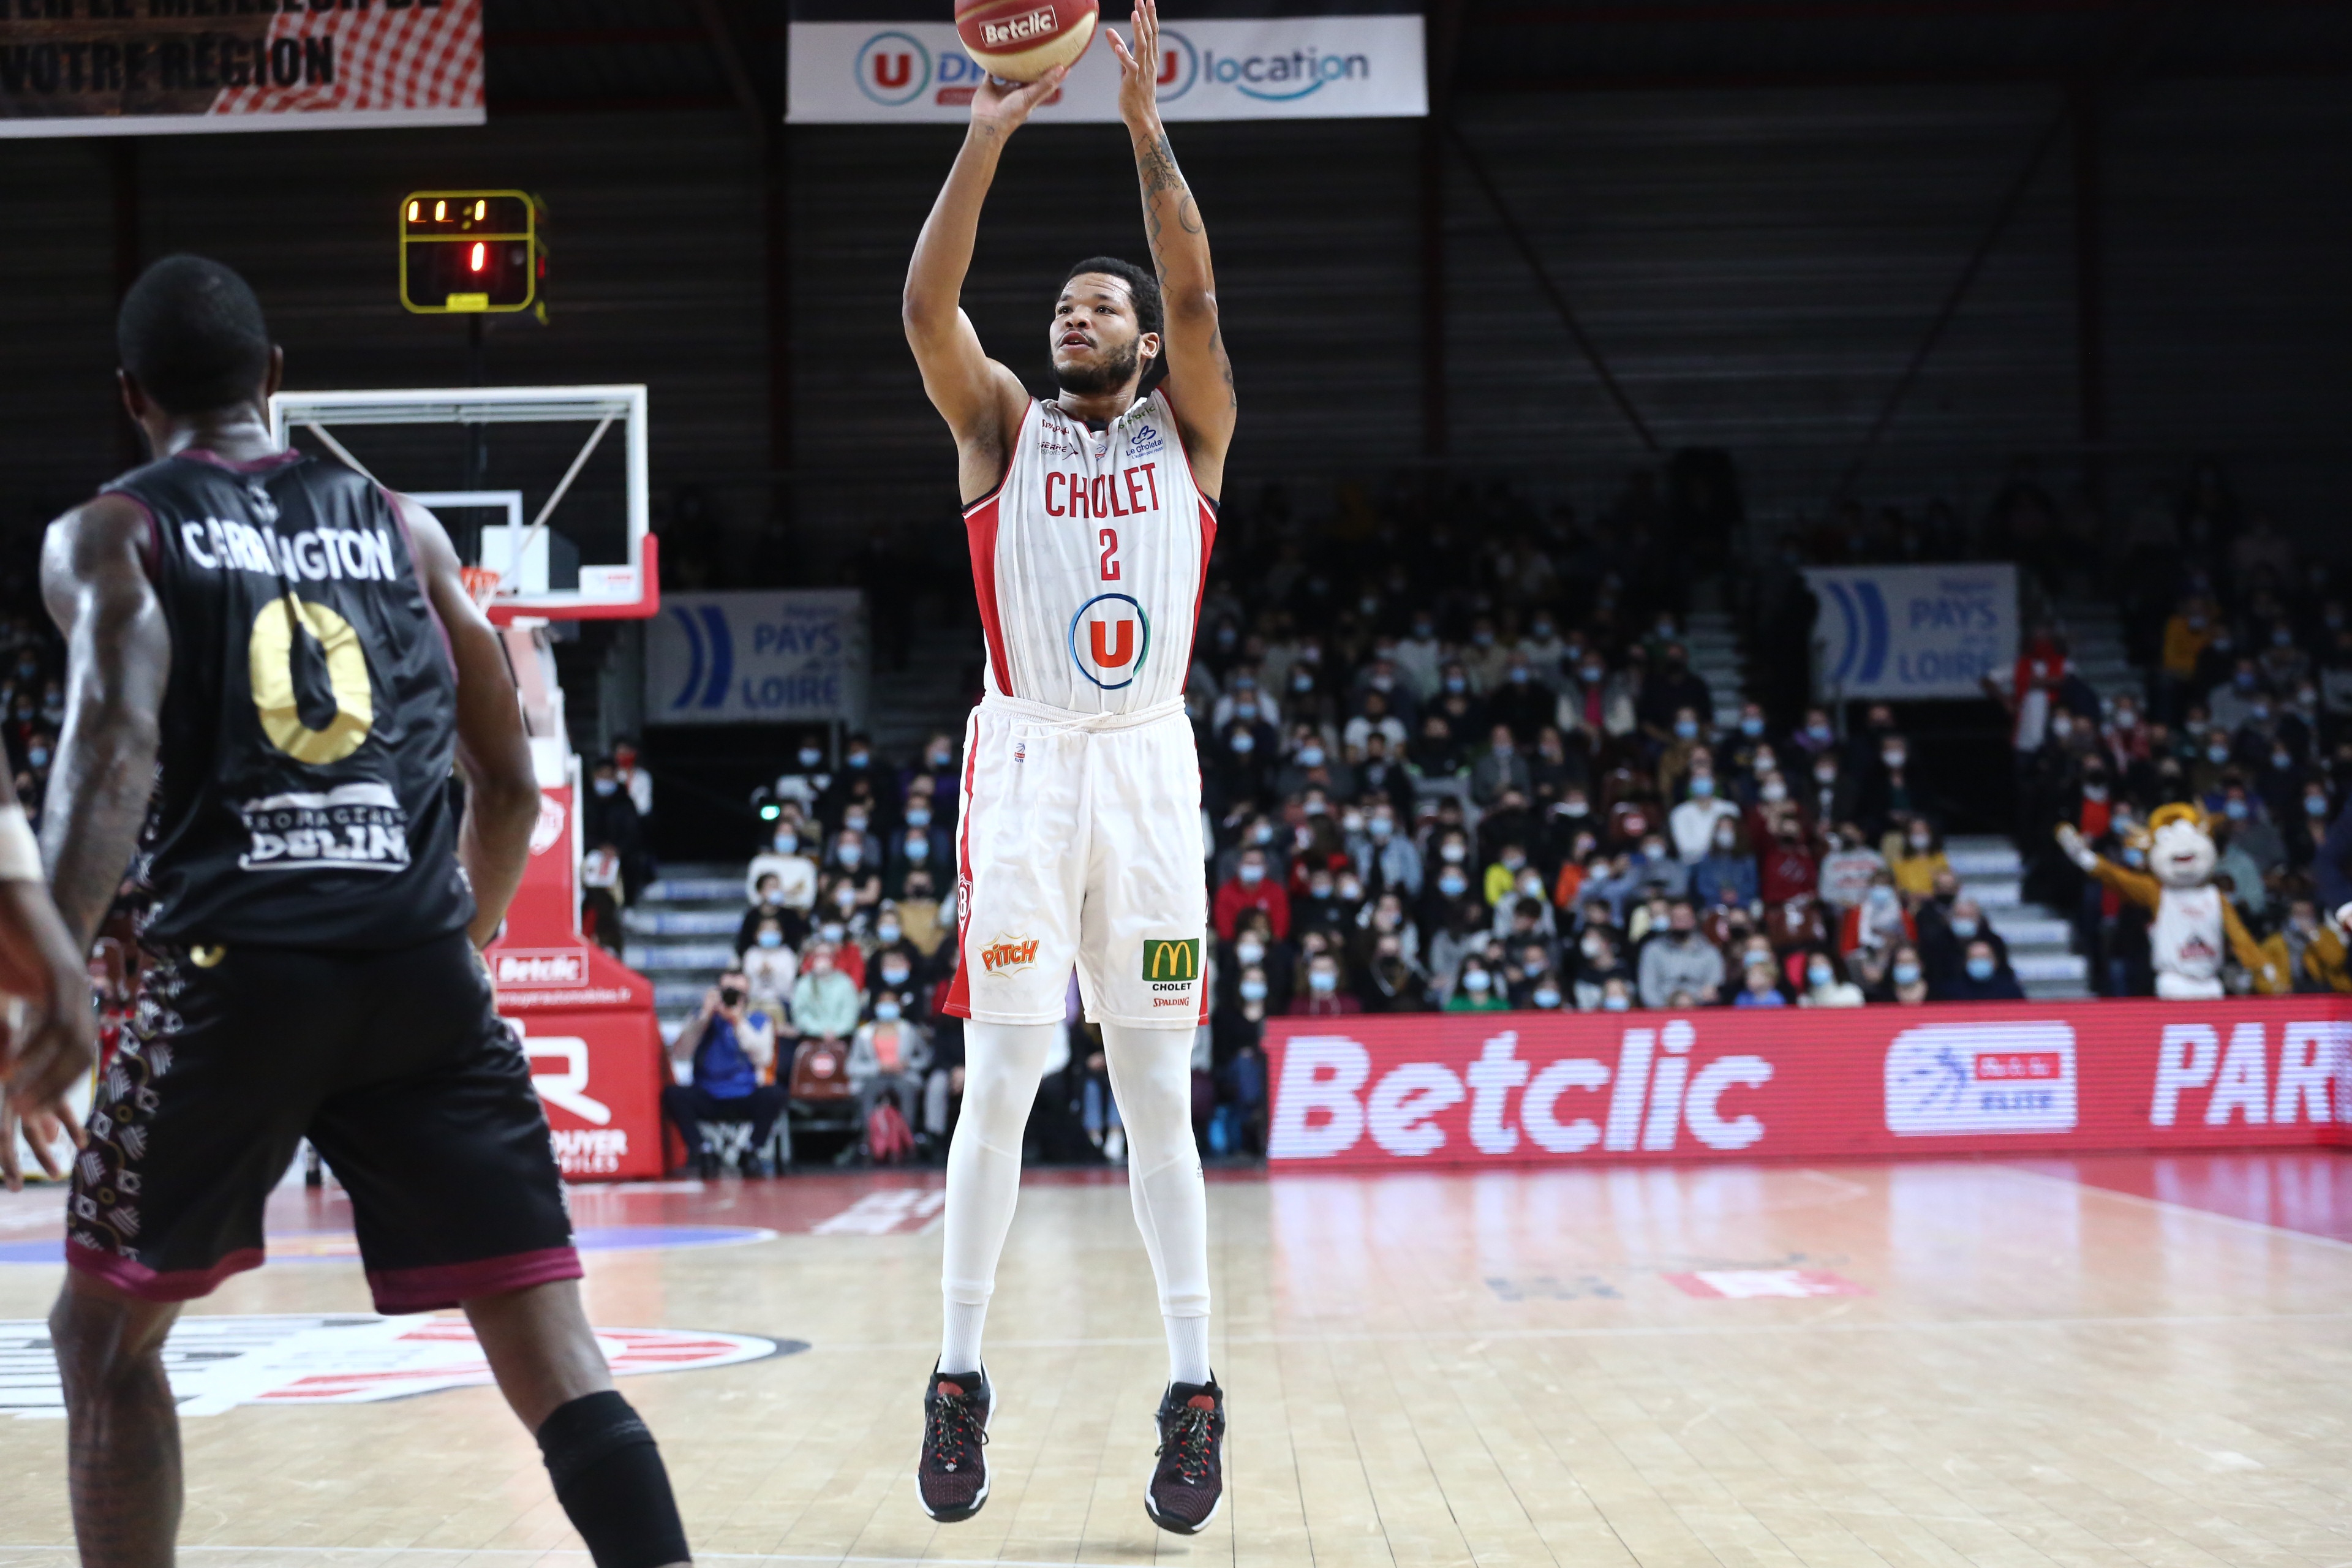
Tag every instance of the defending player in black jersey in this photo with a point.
(273, 664)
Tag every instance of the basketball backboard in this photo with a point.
(546, 487)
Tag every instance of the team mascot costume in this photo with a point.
(2192, 919)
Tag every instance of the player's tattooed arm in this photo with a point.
(493, 752)
(1199, 376)
(982, 401)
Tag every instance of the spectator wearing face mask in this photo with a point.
(1500, 884)
(810, 778)
(1759, 986)
(1475, 990)
(1250, 887)
(1786, 871)
(635, 783)
(606, 817)
(1919, 859)
(1820, 983)
(1693, 823)
(1680, 960)
(1673, 687)
(600, 897)
(1375, 715)
(1246, 703)
(1878, 923)
(728, 1045)
(2232, 703)
(1387, 858)
(769, 963)
(1521, 702)
(855, 782)
(1983, 977)
(2250, 829)
(934, 769)
(1499, 769)
(1726, 875)
(1323, 995)
(854, 864)
(787, 860)
(891, 1053)
(1831, 793)
(1906, 979)
(825, 1002)
(839, 923)
(1887, 791)
(913, 849)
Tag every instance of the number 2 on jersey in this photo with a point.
(1110, 555)
(269, 665)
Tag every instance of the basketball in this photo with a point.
(1021, 40)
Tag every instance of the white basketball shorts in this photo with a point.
(1079, 843)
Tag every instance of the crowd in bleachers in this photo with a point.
(2247, 714)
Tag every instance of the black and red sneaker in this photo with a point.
(952, 1477)
(1189, 1484)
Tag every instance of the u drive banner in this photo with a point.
(137, 68)
(795, 656)
(1912, 632)
(875, 62)
(1547, 1088)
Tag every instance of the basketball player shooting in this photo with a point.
(272, 665)
(1091, 517)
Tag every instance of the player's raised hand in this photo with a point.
(1003, 106)
(1138, 68)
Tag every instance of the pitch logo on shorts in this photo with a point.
(1109, 638)
(1009, 956)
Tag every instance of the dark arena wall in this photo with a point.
(1757, 264)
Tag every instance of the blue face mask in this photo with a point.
(1546, 996)
(859, 759)
(2236, 810)
(1519, 675)
(810, 757)
(1615, 1003)
(886, 1011)
(1253, 990)
(1686, 729)
(1751, 726)
(1964, 928)
(1310, 756)
(601, 787)
(1701, 787)
(1322, 980)
(1907, 974)
(1245, 744)
(2315, 805)
(918, 816)
(1980, 969)
(1453, 884)
(1456, 684)
(919, 849)
(1477, 982)
(772, 939)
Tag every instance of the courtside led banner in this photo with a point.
(136, 68)
(1526, 1088)
(1295, 67)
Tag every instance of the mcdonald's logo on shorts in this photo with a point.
(1172, 958)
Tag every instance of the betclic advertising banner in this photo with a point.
(857, 62)
(137, 68)
(1548, 1089)
(1908, 632)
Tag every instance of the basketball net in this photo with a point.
(481, 583)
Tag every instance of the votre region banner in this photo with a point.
(136, 68)
(892, 62)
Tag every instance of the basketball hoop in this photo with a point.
(481, 583)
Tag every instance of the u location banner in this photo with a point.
(1520, 1089)
(749, 658)
(135, 67)
(853, 62)
(1912, 632)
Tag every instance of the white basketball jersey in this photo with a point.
(1089, 561)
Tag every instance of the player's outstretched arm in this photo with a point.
(494, 753)
(982, 401)
(1199, 377)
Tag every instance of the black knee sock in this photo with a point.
(609, 1478)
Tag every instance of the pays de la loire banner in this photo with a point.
(878, 62)
(1526, 1089)
(1894, 633)
(135, 67)
(758, 657)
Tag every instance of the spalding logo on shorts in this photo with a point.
(1110, 637)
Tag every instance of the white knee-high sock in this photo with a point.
(1151, 1073)
(1002, 1064)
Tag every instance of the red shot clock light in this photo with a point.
(470, 252)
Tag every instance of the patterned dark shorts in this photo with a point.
(395, 1065)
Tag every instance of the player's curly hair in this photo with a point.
(191, 334)
(1142, 286)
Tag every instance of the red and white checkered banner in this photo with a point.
(1525, 1088)
(146, 67)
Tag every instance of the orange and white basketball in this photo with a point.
(1021, 40)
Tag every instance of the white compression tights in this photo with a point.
(1151, 1074)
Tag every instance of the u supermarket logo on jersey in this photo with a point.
(1109, 638)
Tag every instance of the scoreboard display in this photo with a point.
(470, 252)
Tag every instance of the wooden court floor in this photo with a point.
(2064, 1362)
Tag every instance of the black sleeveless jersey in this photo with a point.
(303, 796)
